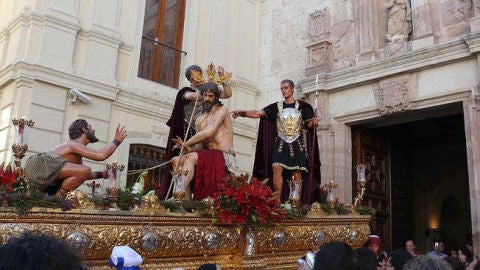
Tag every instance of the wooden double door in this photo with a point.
(389, 184)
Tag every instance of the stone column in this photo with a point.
(471, 110)
(335, 144)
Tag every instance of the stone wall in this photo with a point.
(49, 47)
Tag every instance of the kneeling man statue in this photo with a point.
(61, 169)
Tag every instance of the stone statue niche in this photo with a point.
(320, 50)
(399, 21)
(319, 25)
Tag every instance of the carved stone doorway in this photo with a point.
(418, 178)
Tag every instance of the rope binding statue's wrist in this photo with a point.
(116, 142)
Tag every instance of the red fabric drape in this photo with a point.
(209, 173)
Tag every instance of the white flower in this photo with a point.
(137, 188)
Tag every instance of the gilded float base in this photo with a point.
(168, 240)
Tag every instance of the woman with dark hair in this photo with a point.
(464, 256)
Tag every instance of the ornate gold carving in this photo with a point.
(316, 211)
(209, 207)
(188, 242)
(198, 79)
(79, 200)
(178, 195)
(113, 193)
(150, 202)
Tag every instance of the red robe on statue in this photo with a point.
(209, 173)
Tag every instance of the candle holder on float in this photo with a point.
(93, 186)
(20, 147)
(331, 191)
(113, 170)
(179, 178)
(361, 181)
(295, 191)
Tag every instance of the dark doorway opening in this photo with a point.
(427, 196)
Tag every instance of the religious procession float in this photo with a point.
(240, 227)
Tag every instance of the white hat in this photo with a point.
(123, 257)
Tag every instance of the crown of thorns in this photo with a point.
(211, 76)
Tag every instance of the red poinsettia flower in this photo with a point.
(243, 202)
(8, 177)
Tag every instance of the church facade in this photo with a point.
(394, 84)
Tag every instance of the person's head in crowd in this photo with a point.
(454, 263)
(365, 259)
(209, 266)
(399, 257)
(424, 262)
(334, 256)
(374, 243)
(410, 247)
(454, 252)
(469, 246)
(464, 255)
(125, 258)
(439, 246)
(37, 251)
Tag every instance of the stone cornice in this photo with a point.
(244, 85)
(149, 107)
(100, 37)
(473, 42)
(420, 59)
(244, 130)
(25, 71)
(416, 104)
(27, 17)
(61, 24)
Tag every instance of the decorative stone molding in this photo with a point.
(320, 52)
(391, 94)
(319, 25)
(421, 59)
(396, 49)
(320, 58)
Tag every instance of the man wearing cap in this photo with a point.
(374, 243)
(125, 258)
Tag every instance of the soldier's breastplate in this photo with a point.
(289, 124)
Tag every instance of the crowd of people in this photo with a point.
(339, 255)
(36, 250)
